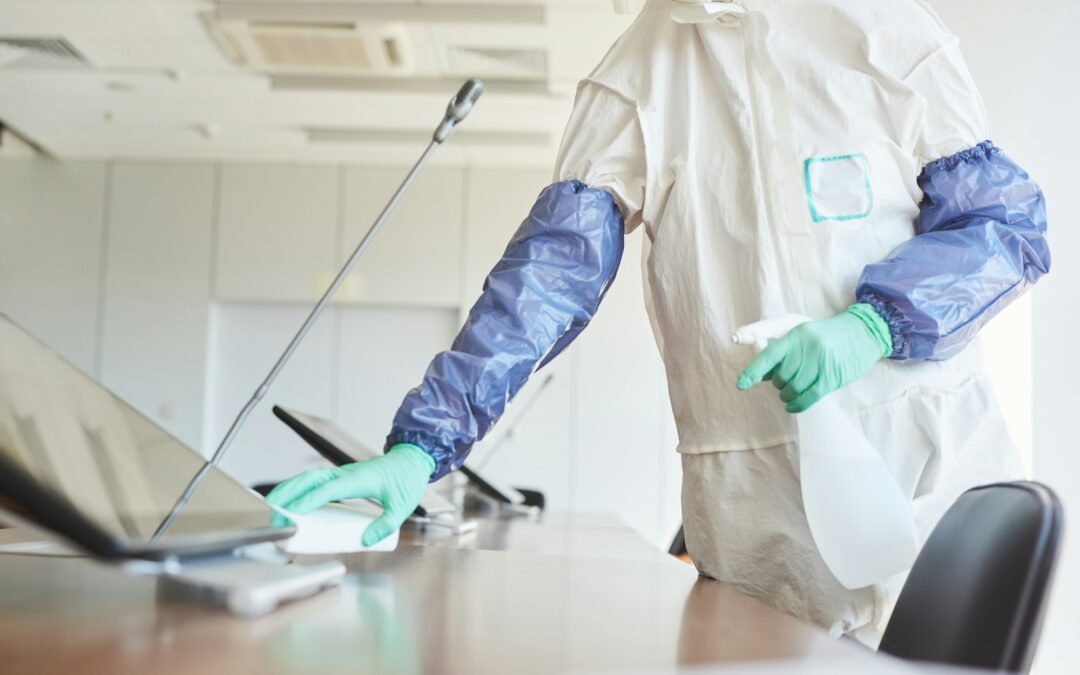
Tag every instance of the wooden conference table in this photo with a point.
(584, 595)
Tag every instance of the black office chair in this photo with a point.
(978, 591)
(678, 544)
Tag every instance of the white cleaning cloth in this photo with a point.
(331, 529)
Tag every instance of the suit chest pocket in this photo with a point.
(838, 188)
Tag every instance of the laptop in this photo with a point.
(78, 463)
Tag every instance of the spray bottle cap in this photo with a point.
(761, 333)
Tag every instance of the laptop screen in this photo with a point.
(87, 447)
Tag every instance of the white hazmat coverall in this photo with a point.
(771, 150)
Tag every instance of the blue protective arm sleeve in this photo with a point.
(545, 289)
(981, 243)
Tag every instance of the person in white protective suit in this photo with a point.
(820, 157)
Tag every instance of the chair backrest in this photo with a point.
(978, 591)
(678, 544)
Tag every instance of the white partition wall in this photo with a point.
(626, 436)
(246, 339)
(278, 231)
(51, 226)
(354, 368)
(416, 259)
(382, 353)
(155, 305)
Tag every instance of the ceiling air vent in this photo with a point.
(43, 51)
(523, 64)
(317, 47)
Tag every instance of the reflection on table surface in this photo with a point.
(583, 535)
(528, 597)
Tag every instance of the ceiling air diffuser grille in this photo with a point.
(314, 48)
(52, 48)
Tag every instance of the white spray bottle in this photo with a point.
(860, 518)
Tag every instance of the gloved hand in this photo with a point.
(819, 357)
(396, 480)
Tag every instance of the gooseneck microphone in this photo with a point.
(460, 107)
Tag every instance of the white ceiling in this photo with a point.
(159, 87)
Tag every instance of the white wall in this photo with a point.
(154, 303)
(1024, 57)
(179, 284)
(51, 227)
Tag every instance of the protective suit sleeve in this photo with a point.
(955, 118)
(604, 147)
(545, 289)
(980, 244)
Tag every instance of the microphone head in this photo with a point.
(460, 107)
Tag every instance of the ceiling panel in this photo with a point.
(159, 86)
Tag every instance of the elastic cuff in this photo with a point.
(417, 453)
(443, 458)
(876, 324)
(901, 341)
(982, 151)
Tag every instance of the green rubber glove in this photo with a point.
(396, 480)
(819, 357)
